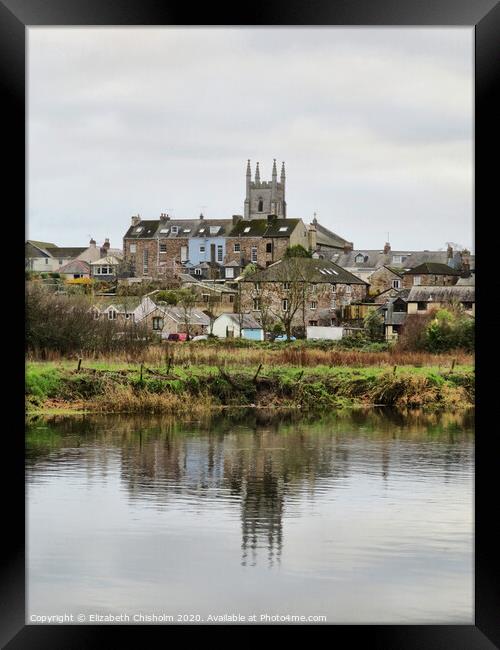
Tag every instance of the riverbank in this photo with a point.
(193, 390)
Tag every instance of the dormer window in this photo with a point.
(175, 230)
(214, 230)
(359, 259)
(112, 314)
(164, 231)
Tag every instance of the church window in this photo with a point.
(261, 205)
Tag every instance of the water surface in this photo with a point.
(361, 518)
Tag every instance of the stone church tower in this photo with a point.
(265, 197)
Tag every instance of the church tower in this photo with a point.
(265, 197)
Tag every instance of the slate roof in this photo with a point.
(196, 316)
(70, 252)
(264, 228)
(149, 229)
(75, 266)
(373, 259)
(325, 237)
(247, 321)
(432, 268)
(442, 294)
(37, 248)
(312, 270)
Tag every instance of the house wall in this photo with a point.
(159, 264)
(381, 279)
(279, 245)
(321, 293)
(220, 324)
(252, 334)
(412, 308)
(194, 254)
(430, 280)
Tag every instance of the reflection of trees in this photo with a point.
(266, 463)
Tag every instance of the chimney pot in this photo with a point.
(387, 248)
(136, 220)
(348, 247)
(236, 218)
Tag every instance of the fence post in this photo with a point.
(79, 364)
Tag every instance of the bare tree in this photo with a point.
(186, 301)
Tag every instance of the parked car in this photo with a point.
(200, 337)
(182, 336)
(282, 337)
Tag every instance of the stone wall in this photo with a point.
(429, 280)
(159, 264)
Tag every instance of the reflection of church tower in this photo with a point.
(265, 197)
(262, 514)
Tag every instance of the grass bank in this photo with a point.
(185, 389)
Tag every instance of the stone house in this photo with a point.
(422, 299)
(430, 274)
(385, 278)
(364, 262)
(299, 292)
(264, 241)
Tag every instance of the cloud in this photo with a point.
(375, 126)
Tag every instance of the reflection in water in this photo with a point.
(266, 471)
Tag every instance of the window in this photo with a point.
(348, 290)
(313, 323)
(284, 304)
(95, 314)
(184, 253)
(112, 314)
(133, 248)
(145, 258)
(127, 316)
(205, 296)
(333, 304)
(157, 323)
(197, 271)
(287, 285)
(260, 206)
(256, 304)
(163, 248)
(187, 229)
(397, 259)
(46, 260)
(396, 284)
(229, 272)
(359, 259)
(231, 297)
(174, 230)
(247, 229)
(313, 304)
(417, 280)
(422, 306)
(269, 247)
(164, 231)
(214, 230)
(202, 249)
(257, 286)
(254, 254)
(237, 247)
(219, 253)
(283, 228)
(139, 229)
(60, 262)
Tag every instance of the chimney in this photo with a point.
(92, 243)
(466, 259)
(236, 218)
(136, 220)
(271, 217)
(201, 216)
(106, 244)
(449, 251)
(348, 246)
(387, 248)
(312, 237)
(163, 217)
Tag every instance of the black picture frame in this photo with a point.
(484, 15)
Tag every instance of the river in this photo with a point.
(358, 517)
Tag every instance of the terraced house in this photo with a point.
(298, 292)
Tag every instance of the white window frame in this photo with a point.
(229, 272)
(220, 252)
(256, 304)
(112, 314)
(237, 247)
(284, 304)
(158, 320)
(253, 254)
(313, 305)
(133, 248)
(164, 246)
(202, 248)
(417, 280)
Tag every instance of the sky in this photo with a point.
(375, 126)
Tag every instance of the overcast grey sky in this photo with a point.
(375, 127)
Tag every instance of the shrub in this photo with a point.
(170, 297)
